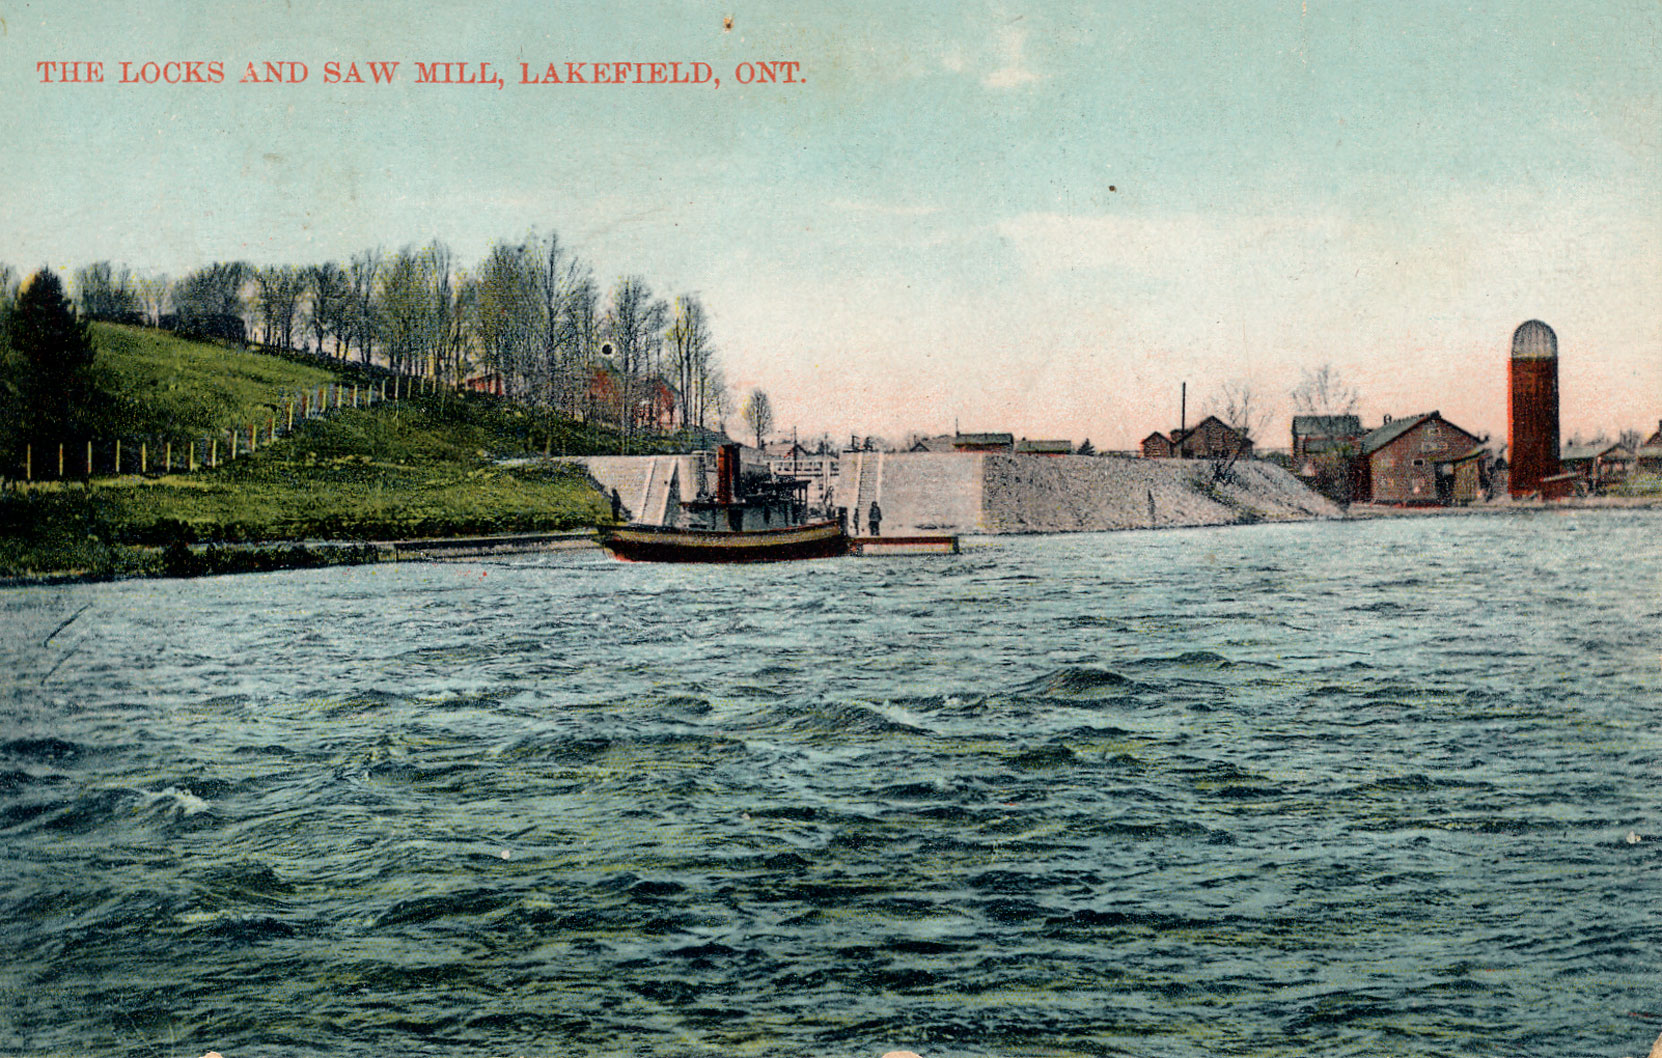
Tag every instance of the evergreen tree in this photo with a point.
(56, 350)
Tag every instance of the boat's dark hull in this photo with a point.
(659, 543)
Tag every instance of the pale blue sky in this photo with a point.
(1032, 217)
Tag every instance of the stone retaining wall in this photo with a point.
(991, 493)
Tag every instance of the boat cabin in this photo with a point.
(747, 503)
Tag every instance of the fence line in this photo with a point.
(106, 457)
(203, 452)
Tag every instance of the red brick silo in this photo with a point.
(1532, 408)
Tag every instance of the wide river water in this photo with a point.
(1385, 787)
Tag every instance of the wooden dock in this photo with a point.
(903, 545)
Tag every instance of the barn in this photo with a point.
(1402, 459)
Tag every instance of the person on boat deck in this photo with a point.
(876, 520)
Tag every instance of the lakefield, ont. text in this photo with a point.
(388, 72)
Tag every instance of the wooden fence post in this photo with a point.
(144, 457)
(354, 394)
(213, 452)
(118, 456)
(29, 462)
(89, 460)
(60, 462)
(169, 458)
(291, 416)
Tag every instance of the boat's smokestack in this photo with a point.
(727, 473)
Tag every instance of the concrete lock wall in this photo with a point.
(989, 493)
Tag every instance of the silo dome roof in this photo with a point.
(1534, 340)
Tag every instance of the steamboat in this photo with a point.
(760, 518)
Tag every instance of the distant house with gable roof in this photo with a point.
(1415, 461)
(1599, 463)
(1325, 455)
(1648, 456)
(1157, 446)
(1211, 438)
(1319, 435)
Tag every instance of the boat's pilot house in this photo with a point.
(747, 502)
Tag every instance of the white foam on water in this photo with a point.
(184, 800)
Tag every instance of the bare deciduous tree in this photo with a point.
(692, 351)
(506, 319)
(105, 291)
(415, 311)
(212, 291)
(329, 296)
(582, 325)
(153, 296)
(1239, 405)
(278, 291)
(718, 401)
(758, 415)
(1323, 392)
(549, 274)
(363, 274)
(635, 325)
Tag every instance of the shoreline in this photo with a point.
(1361, 511)
(180, 562)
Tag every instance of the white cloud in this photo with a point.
(1014, 73)
(953, 60)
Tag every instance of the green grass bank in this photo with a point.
(421, 467)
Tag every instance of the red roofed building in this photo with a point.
(655, 402)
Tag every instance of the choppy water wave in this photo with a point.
(1336, 789)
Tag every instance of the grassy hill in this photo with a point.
(174, 387)
(425, 466)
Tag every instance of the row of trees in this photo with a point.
(530, 321)
(1320, 391)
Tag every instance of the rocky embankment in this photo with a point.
(1022, 494)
